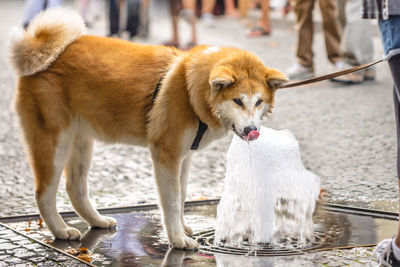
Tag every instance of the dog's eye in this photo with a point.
(238, 101)
(259, 102)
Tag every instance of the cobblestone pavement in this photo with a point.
(19, 250)
(346, 133)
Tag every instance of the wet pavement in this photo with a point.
(346, 133)
(340, 238)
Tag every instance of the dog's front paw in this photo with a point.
(104, 222)
(183, 242)
(68, 233)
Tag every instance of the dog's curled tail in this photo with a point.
(46, 37)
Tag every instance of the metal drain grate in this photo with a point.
(287, 247)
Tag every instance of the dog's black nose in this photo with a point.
(248, 129)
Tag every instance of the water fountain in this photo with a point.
(269, 196)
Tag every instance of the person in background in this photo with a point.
(144, 24)
(33, 7)
(388, 14)
(207, 17)
(188, 15)
(263, 27)
(230, 9)
(357, 45)
(84, 6)
(127, 16)
(303, 9)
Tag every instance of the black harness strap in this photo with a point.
(156, 91)
(200, 132)
(202, 126)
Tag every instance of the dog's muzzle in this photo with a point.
(250, 133)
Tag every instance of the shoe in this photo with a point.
(189, 46)
(384, 254)
(351, 78)
(369, 74)
(188, 15)
(171, 43)
(208, 19)
(300, 72)
(340, 65)
(258, 31)
(356, 77)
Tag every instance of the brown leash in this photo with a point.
(329, 76)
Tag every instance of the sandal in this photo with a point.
(170, 43)
(189, 46)
(258, 31)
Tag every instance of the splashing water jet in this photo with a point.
(268, 194)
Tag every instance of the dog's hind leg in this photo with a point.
(48, 156)
(184, 179)
(76, 170)
(46, 125)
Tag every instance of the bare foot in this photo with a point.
(232, 13)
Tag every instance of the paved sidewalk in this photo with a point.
(19, 250)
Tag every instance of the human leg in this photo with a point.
(243, 7)
(265, 21)
(357, 36)
(331, 29)
(53, 3)
(173, 5)
(207, 6)
(189, 15)
(32, 8)
(230, 8)
(394, 64)
(144, 18)
(264, 24)
(305, 31)
(391, 43)
(207, 12)
(114, 17)
(303, 69)
(357, 47)
(84, 8)
(388, 251)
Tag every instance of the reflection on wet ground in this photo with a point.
(140, 241)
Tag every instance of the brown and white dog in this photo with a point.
(74, 88)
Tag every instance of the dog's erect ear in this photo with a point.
(221, 77)
(274, 78)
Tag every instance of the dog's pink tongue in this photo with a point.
(253, 135)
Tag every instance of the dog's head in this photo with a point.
(242, 93)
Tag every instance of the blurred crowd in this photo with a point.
(348, 38)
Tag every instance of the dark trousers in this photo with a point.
(394, 64)
(114, 17)
(133, 19)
